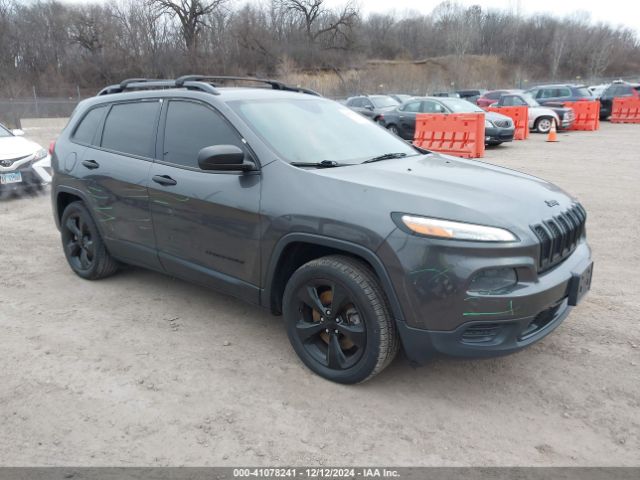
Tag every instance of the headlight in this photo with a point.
(488, 124)
(434, 227)
(40, 154)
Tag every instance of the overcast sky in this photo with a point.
(614, 12)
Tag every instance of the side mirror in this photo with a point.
(17, 132)
(223, 157)
(368, 107)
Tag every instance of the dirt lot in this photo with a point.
(133, 370)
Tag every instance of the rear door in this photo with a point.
(115, 169)
(207, 223)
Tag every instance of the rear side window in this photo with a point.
(189, 128)
(356, 102)
(494, 95)
(86, 129)
(129, 128)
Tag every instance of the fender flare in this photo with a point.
(346, 246)
(78, 193)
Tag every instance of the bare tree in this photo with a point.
(191, 14)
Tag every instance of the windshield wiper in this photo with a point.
(322, 164)
(386, 156)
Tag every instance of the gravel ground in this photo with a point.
(142, 369)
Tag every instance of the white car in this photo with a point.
(24, 165)
(597, 90)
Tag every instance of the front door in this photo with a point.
(207, 223)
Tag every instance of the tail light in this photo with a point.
(52, 146)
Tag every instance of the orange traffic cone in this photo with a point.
(553, 134)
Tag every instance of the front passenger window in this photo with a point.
(189, 128)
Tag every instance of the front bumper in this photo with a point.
(566, 123)
(498, 134)
(31, 177)
(442, 315)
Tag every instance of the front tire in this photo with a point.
(394, 129)
(82, 244)
(543, 124)
(338, 320)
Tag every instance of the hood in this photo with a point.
(539, 111)
(447, 187)
(14, 147)
(496, 116)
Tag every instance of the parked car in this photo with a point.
(558, 94)
(363, 242)
(470, 95)
(21, 163)
(597, 90)
(400, 97)
(540, 118)
(446, 94)
(402, 120)
(492, 96)
(617, 89)
(372, 106)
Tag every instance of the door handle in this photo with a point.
(90, 164)
(164, 180)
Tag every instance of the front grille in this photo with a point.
(502, 123)
(559, 236)
(7, 162)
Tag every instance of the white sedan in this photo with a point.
(24, 165)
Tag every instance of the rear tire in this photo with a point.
(338, 320)
(82, 244)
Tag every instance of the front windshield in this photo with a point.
(532, 102)
(313, 129)
(457, 105)
(383, 101)
(4, 132)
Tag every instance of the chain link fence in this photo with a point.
(12, 110)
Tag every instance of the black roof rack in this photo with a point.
(204, 83)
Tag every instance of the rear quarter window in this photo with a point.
(86, 130)
(130, 127)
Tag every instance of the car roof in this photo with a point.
(555, 85)
(224, 94)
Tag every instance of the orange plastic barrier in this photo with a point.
(626, 110)
(520, 117)
(587, 114)
(460, 134)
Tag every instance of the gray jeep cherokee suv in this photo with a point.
(295, 202)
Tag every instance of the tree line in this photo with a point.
(54, 45)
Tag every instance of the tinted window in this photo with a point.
(494, 95)
(356, 102)
(190, 127)
(411, 107)
(130, 128)
(383, 102)
(429, 106)
(86, 130)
